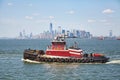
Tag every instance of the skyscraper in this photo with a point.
(51, 28)
(24, 34)
(51, 31)
(110, 33)
(31, 35)
(59, 30)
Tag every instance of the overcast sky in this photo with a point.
(95, 16)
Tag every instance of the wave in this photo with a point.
(30, 61)
(114, 62)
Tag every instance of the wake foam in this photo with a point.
(30, 61)
(114, 62)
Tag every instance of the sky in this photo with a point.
(95, 16)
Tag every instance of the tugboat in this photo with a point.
(58, 52)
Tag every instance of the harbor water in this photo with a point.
(13, 67)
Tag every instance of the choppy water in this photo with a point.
(13, 68)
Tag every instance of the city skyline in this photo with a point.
(51, 33)
(95, 16)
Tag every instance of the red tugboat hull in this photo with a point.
(40, 56)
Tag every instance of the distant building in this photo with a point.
(51, 28)
(59, 30)
(110, 33)
(63, 31)
(31, 35)
(24, 34)
(68, 33)
(88, 35)
(20, 35)
(78, 33)
(51, 31)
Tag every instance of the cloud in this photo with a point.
(29, 17)
(10, 4)
(51, 17)
(107, 11)
(71, 12)
(91, 21)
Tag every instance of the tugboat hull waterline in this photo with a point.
(58, 52)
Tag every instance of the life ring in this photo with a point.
(74, 60)
(54, 59)
(40, 58)
(87, 60)
(83, 60)
(62, 60)
(79, 60)
(46, 59)
(57, 59)
(49, 59)
(70, 60)
(91, 60)
(66, 60)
